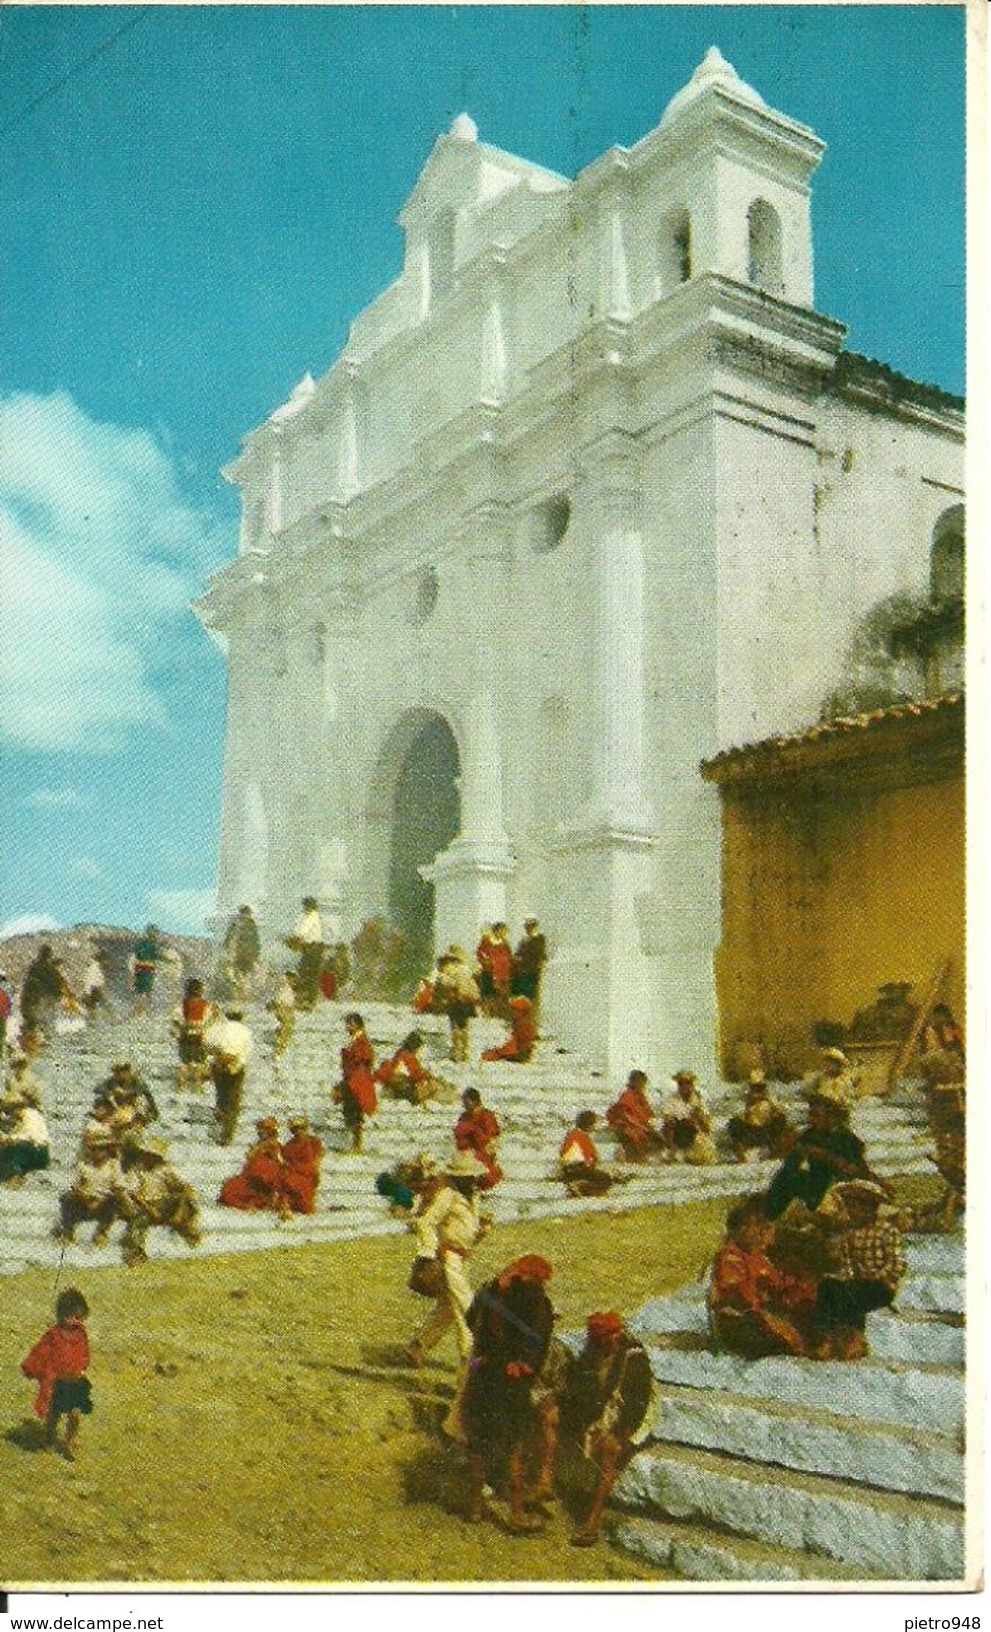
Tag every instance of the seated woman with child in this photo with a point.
(758, 1308)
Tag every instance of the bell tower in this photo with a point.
(736, 177)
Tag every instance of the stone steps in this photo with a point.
(773, 1470)
(882, 1534)
(945, 1294)
(535, 1104)
(911, 1338)
(887, 1457)
(700, 1552)
(870, 1391)
(788, 1469)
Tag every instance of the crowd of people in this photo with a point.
(803, 1264)
(501, 982)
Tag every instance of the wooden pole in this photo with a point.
(904, 1054)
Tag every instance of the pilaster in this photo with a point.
(494, 360)
(611, 501)
(616, 297)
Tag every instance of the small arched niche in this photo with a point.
(674, 252)
(764, 260)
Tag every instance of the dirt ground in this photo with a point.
(253, 1422)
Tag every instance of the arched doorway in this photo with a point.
(426, 816)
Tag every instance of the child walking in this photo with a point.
(58, 1363)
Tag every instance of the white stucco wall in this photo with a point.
(708, 448)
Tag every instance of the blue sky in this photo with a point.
(196, 201)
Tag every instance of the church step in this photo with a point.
(536, 1103)
(163, 1244)
(682, 1313)
(883, 1533)
(887, 1456)
(935, 1254)
(911, 1337)
(697, 1552)
(944, 1294)
(875, 1391)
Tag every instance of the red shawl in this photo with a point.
(301, 1171)
(62, 1353)
(475, 1131)
(357, 1059)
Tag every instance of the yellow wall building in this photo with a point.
(843, 867)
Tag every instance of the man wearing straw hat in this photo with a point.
(152, 1192)
(446, 1231)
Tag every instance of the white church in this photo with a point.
(592, 494)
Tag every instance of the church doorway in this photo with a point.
(426, 817)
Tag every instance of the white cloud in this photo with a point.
(29, 923)
(54, 799)
(101, 556)
(83, 867)
(182, 911)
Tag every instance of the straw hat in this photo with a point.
(830, 1093)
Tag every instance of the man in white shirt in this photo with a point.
(447, 1230)
(307, 940)
(95, 987)
(686, 1125)
(228, 1044)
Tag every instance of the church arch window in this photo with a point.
(549, 523)
(426, 590)
(674, 252)
(764, 260)
(947, 562)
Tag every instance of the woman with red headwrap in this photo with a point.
(506, 1422)
(523, 1034)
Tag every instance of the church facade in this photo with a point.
(592, 495)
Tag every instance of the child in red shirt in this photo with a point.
(58, 1363)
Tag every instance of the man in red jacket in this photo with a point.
(356, 1093)
(476, 1130)
(632, 1120)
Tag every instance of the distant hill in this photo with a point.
(74, 947)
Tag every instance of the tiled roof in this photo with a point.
(771, 748)
(854, 369)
